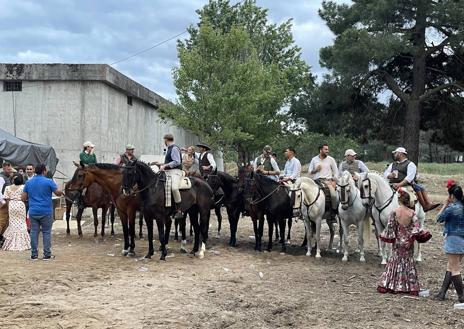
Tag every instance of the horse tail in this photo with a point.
(366, 229)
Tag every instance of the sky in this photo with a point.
(106, 31)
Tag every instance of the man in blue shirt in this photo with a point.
(38, 192)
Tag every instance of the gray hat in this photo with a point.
(130, 147)
(204, 145)
(267, 149)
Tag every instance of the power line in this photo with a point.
(150, 48)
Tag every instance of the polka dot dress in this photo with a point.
(16, 236)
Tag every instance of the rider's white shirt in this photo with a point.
(292, 168)
(328, 170)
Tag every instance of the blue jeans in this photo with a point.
(417, 187)
(45, 222)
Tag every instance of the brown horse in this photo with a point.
(94, 197)
(109, 176)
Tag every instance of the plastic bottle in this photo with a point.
(459, 306)
(424, 293)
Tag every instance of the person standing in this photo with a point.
(400, 274)
(452, 214)
(16, 236)
(189, 164)
(402, 172)
(29, 172)
(324, 170)
(5, 177)
(266, 165)
(87, 156)
(38, 192)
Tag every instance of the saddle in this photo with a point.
(295, 194)
(325, 188)
(185, 183)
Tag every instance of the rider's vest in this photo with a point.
(267, 165)
(402, 171)
(125, 159)
(7, 181)
(168, 159)
(352, 167)
(204, 162)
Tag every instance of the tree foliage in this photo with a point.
(236, 71)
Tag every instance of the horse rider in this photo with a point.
(172, 166)
(402, 172)
(292, 172)
(86, 157)
(265, 164)
(352, 164)
(205, 158)
(126, 157)
(325, 172)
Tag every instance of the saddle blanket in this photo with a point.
(185, 184)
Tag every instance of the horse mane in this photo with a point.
(110, 166)
(146, 169)
(228, 178)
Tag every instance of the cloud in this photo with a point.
(104, 31)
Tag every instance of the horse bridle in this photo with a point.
(344, 192)
(381, 208)
(134, 187)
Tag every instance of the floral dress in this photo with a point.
(400, 275)
(16, 236)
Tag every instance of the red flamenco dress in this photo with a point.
(400, 275)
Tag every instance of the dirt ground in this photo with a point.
(90, 285)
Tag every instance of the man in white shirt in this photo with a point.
(402, 172)
(351, 164)
(324, 170)
(205, 159)
(292, 169)
(266, 165)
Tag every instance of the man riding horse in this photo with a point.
(325, 172)
(402, 172)
(266, 165)
(206, 162)
(352, 165)
(172, 166)
(292, 172)
(126, 157)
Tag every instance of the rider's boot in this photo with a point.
(177, 212)
(423, 199)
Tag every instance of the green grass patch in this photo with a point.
(444, 169)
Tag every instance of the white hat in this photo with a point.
(350, 152)
(400, 150)
(88, 143)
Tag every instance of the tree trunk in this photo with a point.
(412, 131)
(242, 155)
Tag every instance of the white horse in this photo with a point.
(352, 211)
(376, 188)
(313, 211)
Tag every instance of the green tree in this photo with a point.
(373, 35)
(236, 72)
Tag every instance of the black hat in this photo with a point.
(204, 145)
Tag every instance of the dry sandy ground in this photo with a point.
(90, 285)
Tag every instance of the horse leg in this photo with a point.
(104, 211)
(340, 233)
(361, 240)
(318, 237)
(125, 231)
(79, 217)
(282, 225)
(131, 221)
(167, 232)
(289, 229)
(234, 215)
(307, 232)
(112, 209)
(332, 233)
(95, 220)
(68, 215)
(217, 211)
(193, 215)
(345, 238)
(204, 226)
(141, 225)
(162, 237)
(277, 237)
(176, 229)
(151, 248)
(183, 242)
(256, 231)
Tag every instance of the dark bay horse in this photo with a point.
(139, 177)
(263, 196)
(95, 197)
(109, 176)
(233, 199)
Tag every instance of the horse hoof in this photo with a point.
(419, 259)
(344, 259)
(288, 242)
(163, 258)
(362, 259)
(384, 262)
(218, 236)
(148, 256)
(318, 256)
(125, 252)
(183, 250)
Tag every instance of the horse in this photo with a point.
(375, 189)
(314, 211)
(139, 178)
(266, 197)
(232, 199)
(352, 211)
(96, 198)
(109, 177)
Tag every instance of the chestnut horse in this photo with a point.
(96, 198)
(109, 177)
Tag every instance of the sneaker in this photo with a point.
(34, 258)
(48, 257)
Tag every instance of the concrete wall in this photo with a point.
(64, 114)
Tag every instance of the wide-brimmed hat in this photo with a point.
(400, 150)
(206, 146)
(88, 143)
(350, 152)
(130, 147)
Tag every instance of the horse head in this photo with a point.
(129, 178)
(347, 190)
(81, 179)
(214, 181)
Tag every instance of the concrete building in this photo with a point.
(64, 105)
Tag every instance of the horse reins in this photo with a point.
(344, 192)
(255, 202)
